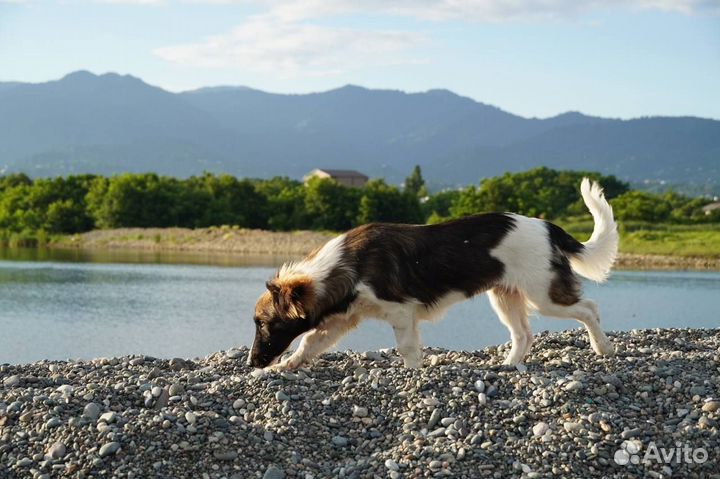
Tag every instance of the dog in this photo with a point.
(403, 274)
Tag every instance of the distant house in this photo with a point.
(344, 177)
(709, 208)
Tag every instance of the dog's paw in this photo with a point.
(285, 365)
(606, 349)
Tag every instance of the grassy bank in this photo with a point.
(642, 245)
(642, 238)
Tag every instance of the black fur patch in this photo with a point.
(406, 262)
(561, 239)
(565, 287)
(273, 337)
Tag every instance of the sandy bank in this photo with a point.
(260, 242)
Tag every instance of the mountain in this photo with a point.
(113, 123)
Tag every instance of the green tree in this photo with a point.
(385, 203)
(641, 206)
(331, 206)
(284, 203)
(540, 192)
(415, 184)
(438, 205)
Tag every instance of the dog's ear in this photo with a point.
(292, 297)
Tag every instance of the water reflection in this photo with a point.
(62, 308)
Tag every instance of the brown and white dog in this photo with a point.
(403, 274)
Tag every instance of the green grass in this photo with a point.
(700, 240)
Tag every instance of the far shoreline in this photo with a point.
(217, 241)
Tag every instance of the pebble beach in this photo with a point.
(565, 412)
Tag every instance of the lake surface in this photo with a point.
(60, 305)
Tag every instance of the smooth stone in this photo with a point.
(392, 465)
(234, 354)
(238, 404)
(711, 406)
(540, 429)
(65, 390)
(373, 356)
(176, 389)
(521, 368)
(573, 386)
(24, 462)
(53, 422)
(225, 455)
(435, 464)
(109, 449)
(480, 385)
(573, 426)
(92, 411)
(281, 396)
(359, 411)
(162, 400)
(339, 441)
(431, 402)
(482, 399)
(434, 418)
(446, 421)
(258, 373)
(57, 450)
(268, 436)
(108, 417)
(12, 381)
(273, 472)
(697, 390)
(190, 417)
(628, 433)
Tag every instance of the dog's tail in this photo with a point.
(598, 254)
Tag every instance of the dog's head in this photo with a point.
(282, 313)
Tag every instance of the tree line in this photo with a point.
(79, 203)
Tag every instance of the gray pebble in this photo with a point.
(92, 411)
(109, 449)
(273, 472)
(339, 441)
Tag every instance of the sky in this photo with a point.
(536, 58)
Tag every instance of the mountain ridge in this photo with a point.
(112, 123)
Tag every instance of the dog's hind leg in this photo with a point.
(559, 294)
(509, 304)
(407, 336)
(319, 340)
(584, 311)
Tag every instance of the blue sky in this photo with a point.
(615, 58)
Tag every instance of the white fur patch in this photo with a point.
(319, 266)
(525, 251)
(601, 249)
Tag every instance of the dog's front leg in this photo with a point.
(408, 341)
(319, 340)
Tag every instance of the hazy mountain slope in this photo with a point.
(111, 123)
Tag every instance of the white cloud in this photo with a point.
(286, 41)
(267, 44)
(133, 2)
(471, 10)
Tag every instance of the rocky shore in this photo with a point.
(564, 413)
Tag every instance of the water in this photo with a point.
(57, 307)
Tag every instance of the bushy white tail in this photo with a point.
(600, 251)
